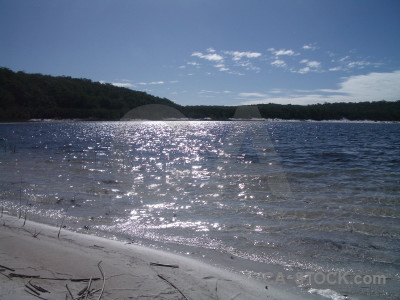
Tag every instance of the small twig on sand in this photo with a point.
(82, 291)
(32, 290)
(5, 275)
(104, 279)
(69, 291)
(35, 235)
(20, 200)
(59, 231)
(174, 286)
(37, 287)
(216, 289)
(83, 279)
(164, 265)
(25, 219)
(95, 291)
(23, 275)
(50, 278)
(30, 293)
(7, 268)
(88, 288)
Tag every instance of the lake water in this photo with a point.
(267, 199)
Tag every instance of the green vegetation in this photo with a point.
(35, 96)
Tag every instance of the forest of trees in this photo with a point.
(34, 96)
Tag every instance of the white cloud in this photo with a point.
(210, 93)
(282, 52)
(275, 91)
(247, 65)
(314, 64)
(304, 70)
(211, 56)
(241, 59)
(221, 67)
(347, 64)
(369, 87)
(123, 84)
(344, 58)
(252, 95)
(310, 47)
(373, 86)
(279, 63)
(214, 92)
(193, 63)
(311, 64)
(237, 55)
(151, 83)
(362, 64)
(331, 54)
(335, 69)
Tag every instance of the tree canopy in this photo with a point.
(35, 96)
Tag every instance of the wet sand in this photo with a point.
(33, 259)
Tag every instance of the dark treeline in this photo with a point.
(35, 96)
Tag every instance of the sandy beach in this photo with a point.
(37, 264)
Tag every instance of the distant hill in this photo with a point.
(35, 96)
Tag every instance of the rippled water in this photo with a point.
(298, 195)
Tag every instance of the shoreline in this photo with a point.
(129, 270)
(276, 120)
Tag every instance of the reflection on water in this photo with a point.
(320, 196)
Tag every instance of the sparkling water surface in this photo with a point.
(314, 196)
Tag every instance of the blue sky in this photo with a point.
(213, 52)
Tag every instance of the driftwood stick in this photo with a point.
(173, 285)
(37, 287)
(20, 200)
(32, 290)
(164, 265)
(30, 293)
(25, 218)
(7, 268)
(35, 235)
(69, 291)
(104, 279)
(59, 231)
(88, 288)
(23, 275)
(95, 291)
(52, 278)
(5, 275)
(82, 291)
(82, 279)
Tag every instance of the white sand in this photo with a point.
(128, 270)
